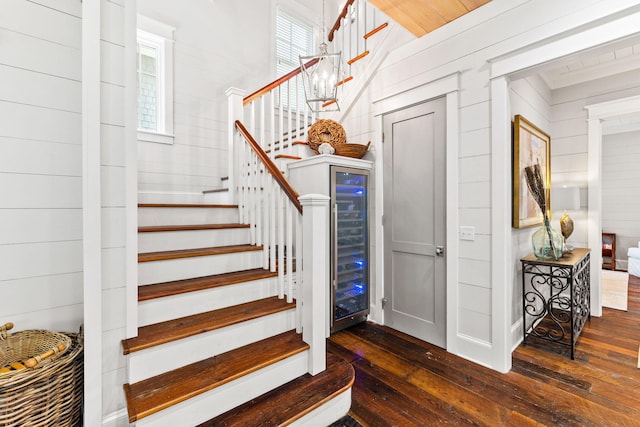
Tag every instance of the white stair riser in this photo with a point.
(191, 239)
(186, 216)
(282, 163)
(187, 268)
(301, 150)
(215, 402)
(220, 198)
(166, 357)
(176, 306)
(328, 413)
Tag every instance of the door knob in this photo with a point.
(440, 250)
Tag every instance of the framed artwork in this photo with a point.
(530, 146)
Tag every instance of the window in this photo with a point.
(154, 67)
(293, 39)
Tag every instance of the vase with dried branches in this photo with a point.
(547, 241)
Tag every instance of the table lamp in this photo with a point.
(565, 199)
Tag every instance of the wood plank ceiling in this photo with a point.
(423, 16)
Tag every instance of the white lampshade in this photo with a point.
(565, 198)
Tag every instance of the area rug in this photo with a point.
(614, 289)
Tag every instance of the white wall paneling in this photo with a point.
(129, 151)
(466, 47)
(36, 20)
(27, 156)
(91, 113)
(53, 125)
(41, 164)
(46, 292)
(598, 113)
(31, 53)
(72, 7)
(571, 165)
(38, 89)
(18, 226)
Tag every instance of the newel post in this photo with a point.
(235, 112)
(315, 280)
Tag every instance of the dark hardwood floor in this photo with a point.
(402, 381)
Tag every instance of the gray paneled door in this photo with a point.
(414, 223)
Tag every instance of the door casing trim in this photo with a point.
(447, 86)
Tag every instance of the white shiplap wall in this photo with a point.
(531, 98)
(217, 45)
(620, 190)
(570, 136)
(40, 164)
(466, 45)
(113, 199)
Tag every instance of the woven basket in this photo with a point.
(50, 394)
(352, 150)
(328, 131)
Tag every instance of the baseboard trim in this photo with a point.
(118, 418)
(475, 350)
(516, 335)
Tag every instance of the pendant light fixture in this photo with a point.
(320, 76)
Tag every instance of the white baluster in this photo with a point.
(262, 142)
(299, 272)
(289, 262)
(253, 195)
(267, 211)
(259, 201)
(281, 244)
(242, 182)
(289, 119)
(305, 111)
(272, 119)
(252, 118)
(281, 130)
(273, 206)
(298, 110)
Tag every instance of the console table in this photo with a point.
(556, 297)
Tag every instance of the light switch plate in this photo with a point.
(467, 233)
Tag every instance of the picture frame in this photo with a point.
(530, 145)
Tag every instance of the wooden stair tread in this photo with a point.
(162, 391)
(291, 401)
(159, 290)
(185, 205)
(175, 329)
(157, 228)
(188, 253)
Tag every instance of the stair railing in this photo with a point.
(278, 113)
(273, 210)
(357, 22)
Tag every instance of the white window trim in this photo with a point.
(161, 35)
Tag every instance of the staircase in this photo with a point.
(219, 306)
(213, 334)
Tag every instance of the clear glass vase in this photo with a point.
(547, 242)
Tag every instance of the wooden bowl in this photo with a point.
(356, 151)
